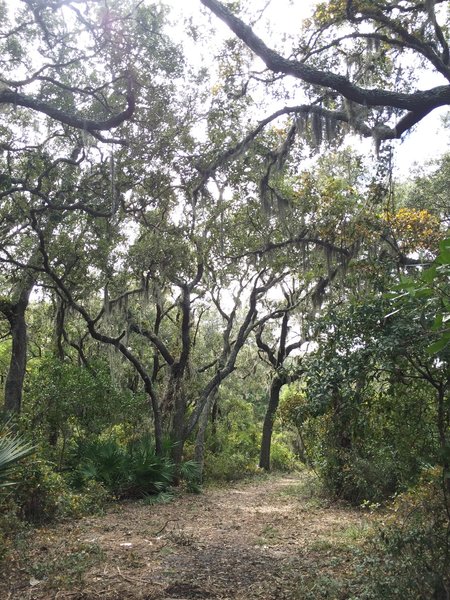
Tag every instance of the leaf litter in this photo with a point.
(262, 539)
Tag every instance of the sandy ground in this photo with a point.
(268, 539)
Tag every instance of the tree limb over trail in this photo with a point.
(94, 127)
(351, 99)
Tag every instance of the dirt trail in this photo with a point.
(266, 539)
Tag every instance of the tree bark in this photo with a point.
(266, 442)
(201, 433)
(14, 98)
(177, 431)
(17, 365)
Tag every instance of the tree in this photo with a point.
(57, 175)
(350, 62)
(277, 359)
(59, 77)
(380, 396)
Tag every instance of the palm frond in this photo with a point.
(13, 447)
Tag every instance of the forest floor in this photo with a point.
(268, 538)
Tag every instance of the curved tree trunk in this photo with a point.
(274, 400)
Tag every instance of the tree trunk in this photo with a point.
(176, 406)
(158, 429)
(177, 434)
(442, 423)
(301, 448)
(274, 400)
(200, 439)
(156, 412)
(17, 366)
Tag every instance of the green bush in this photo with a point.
(11, 526)
(229, 466)
(103, 461)
(233, 451)
(92, 499)
(281, 456)
(61, 398)
(146, 473)
(359, 475)
(409, 557)
(42, 495)
(40, 492)
(128, 471)
(13, 448)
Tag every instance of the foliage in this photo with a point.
(62, 398)
(12, 527)
(414, 230)
(361, 48)
(122, 472)
(370, 413)
(133, 470)
(230, 466)
(163, 243)
(409, 555)
(282, 458)
(40, 492)
(42, 495)
(13, 448)
(432, 286)
(232, 453)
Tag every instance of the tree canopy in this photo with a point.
(350, 58)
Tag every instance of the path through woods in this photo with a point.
(268, 539)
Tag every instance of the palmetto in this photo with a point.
(13, 448)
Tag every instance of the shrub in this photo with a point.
(146, 473)
(358, 475)
(90, 500)
(103, 461)
(131, 471)
(229, 466)
(409, 557)
(233, 451)
(42, 495)
(40, 492)
(13, 448)
(11, 526)
(281, 456)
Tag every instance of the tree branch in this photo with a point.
(418, 104)
(8, 96)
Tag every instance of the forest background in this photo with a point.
(201, 271)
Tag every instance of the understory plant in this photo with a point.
(133, 470)
(13, 448)
(409, 557)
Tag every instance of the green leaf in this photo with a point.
(439, 344)
(12, 449)
(429, 274)
(438, 321)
